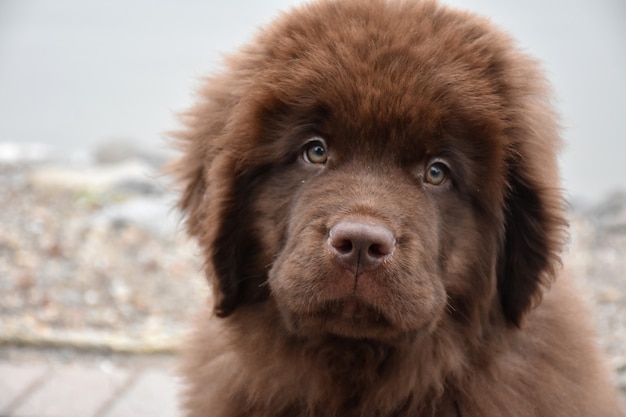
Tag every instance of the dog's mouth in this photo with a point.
(347, 317)
(353, 311)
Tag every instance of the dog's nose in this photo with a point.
(360, 247)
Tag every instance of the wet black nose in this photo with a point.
(360, 247)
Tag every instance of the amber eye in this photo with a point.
(436, 173)
(315, 153)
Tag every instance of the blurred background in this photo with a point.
(93, 268)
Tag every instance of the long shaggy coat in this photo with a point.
(375, 190)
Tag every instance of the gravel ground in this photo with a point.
(88, 265)
(91, 257)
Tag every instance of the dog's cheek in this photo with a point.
(419, 289)
(468, 262)
(299, 267)
(303, 264)
(271, 212)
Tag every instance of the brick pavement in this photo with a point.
(39, 388)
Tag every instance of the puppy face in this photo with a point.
(376, 232)
(373, 174)
(373, 249)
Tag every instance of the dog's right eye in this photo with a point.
(315, 153)
(436, 174)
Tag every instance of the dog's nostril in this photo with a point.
(360, 246)
(344, 246)
(375, 250)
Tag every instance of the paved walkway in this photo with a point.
(40, 388)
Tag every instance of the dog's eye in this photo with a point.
(436, 173)
(315, 153)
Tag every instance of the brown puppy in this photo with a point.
(375, 191)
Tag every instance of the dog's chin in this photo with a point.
(349, 318)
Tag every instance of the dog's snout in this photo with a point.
(360, 247)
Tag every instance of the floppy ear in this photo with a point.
(237, 266)
(534, 207)
(217, 203)
(533, 237)
(217, 193)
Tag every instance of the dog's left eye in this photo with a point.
(315, 153)
(436, 173)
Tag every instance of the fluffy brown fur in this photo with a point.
(375, 191)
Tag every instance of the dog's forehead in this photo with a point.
(388, 68)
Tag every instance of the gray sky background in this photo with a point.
(75, 73)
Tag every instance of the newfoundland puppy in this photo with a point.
(374, 187)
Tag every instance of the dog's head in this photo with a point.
(374, 169)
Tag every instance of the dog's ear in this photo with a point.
(535, 230)
(216, 201)
(535, 225)
(237, 269)
(216, 196)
